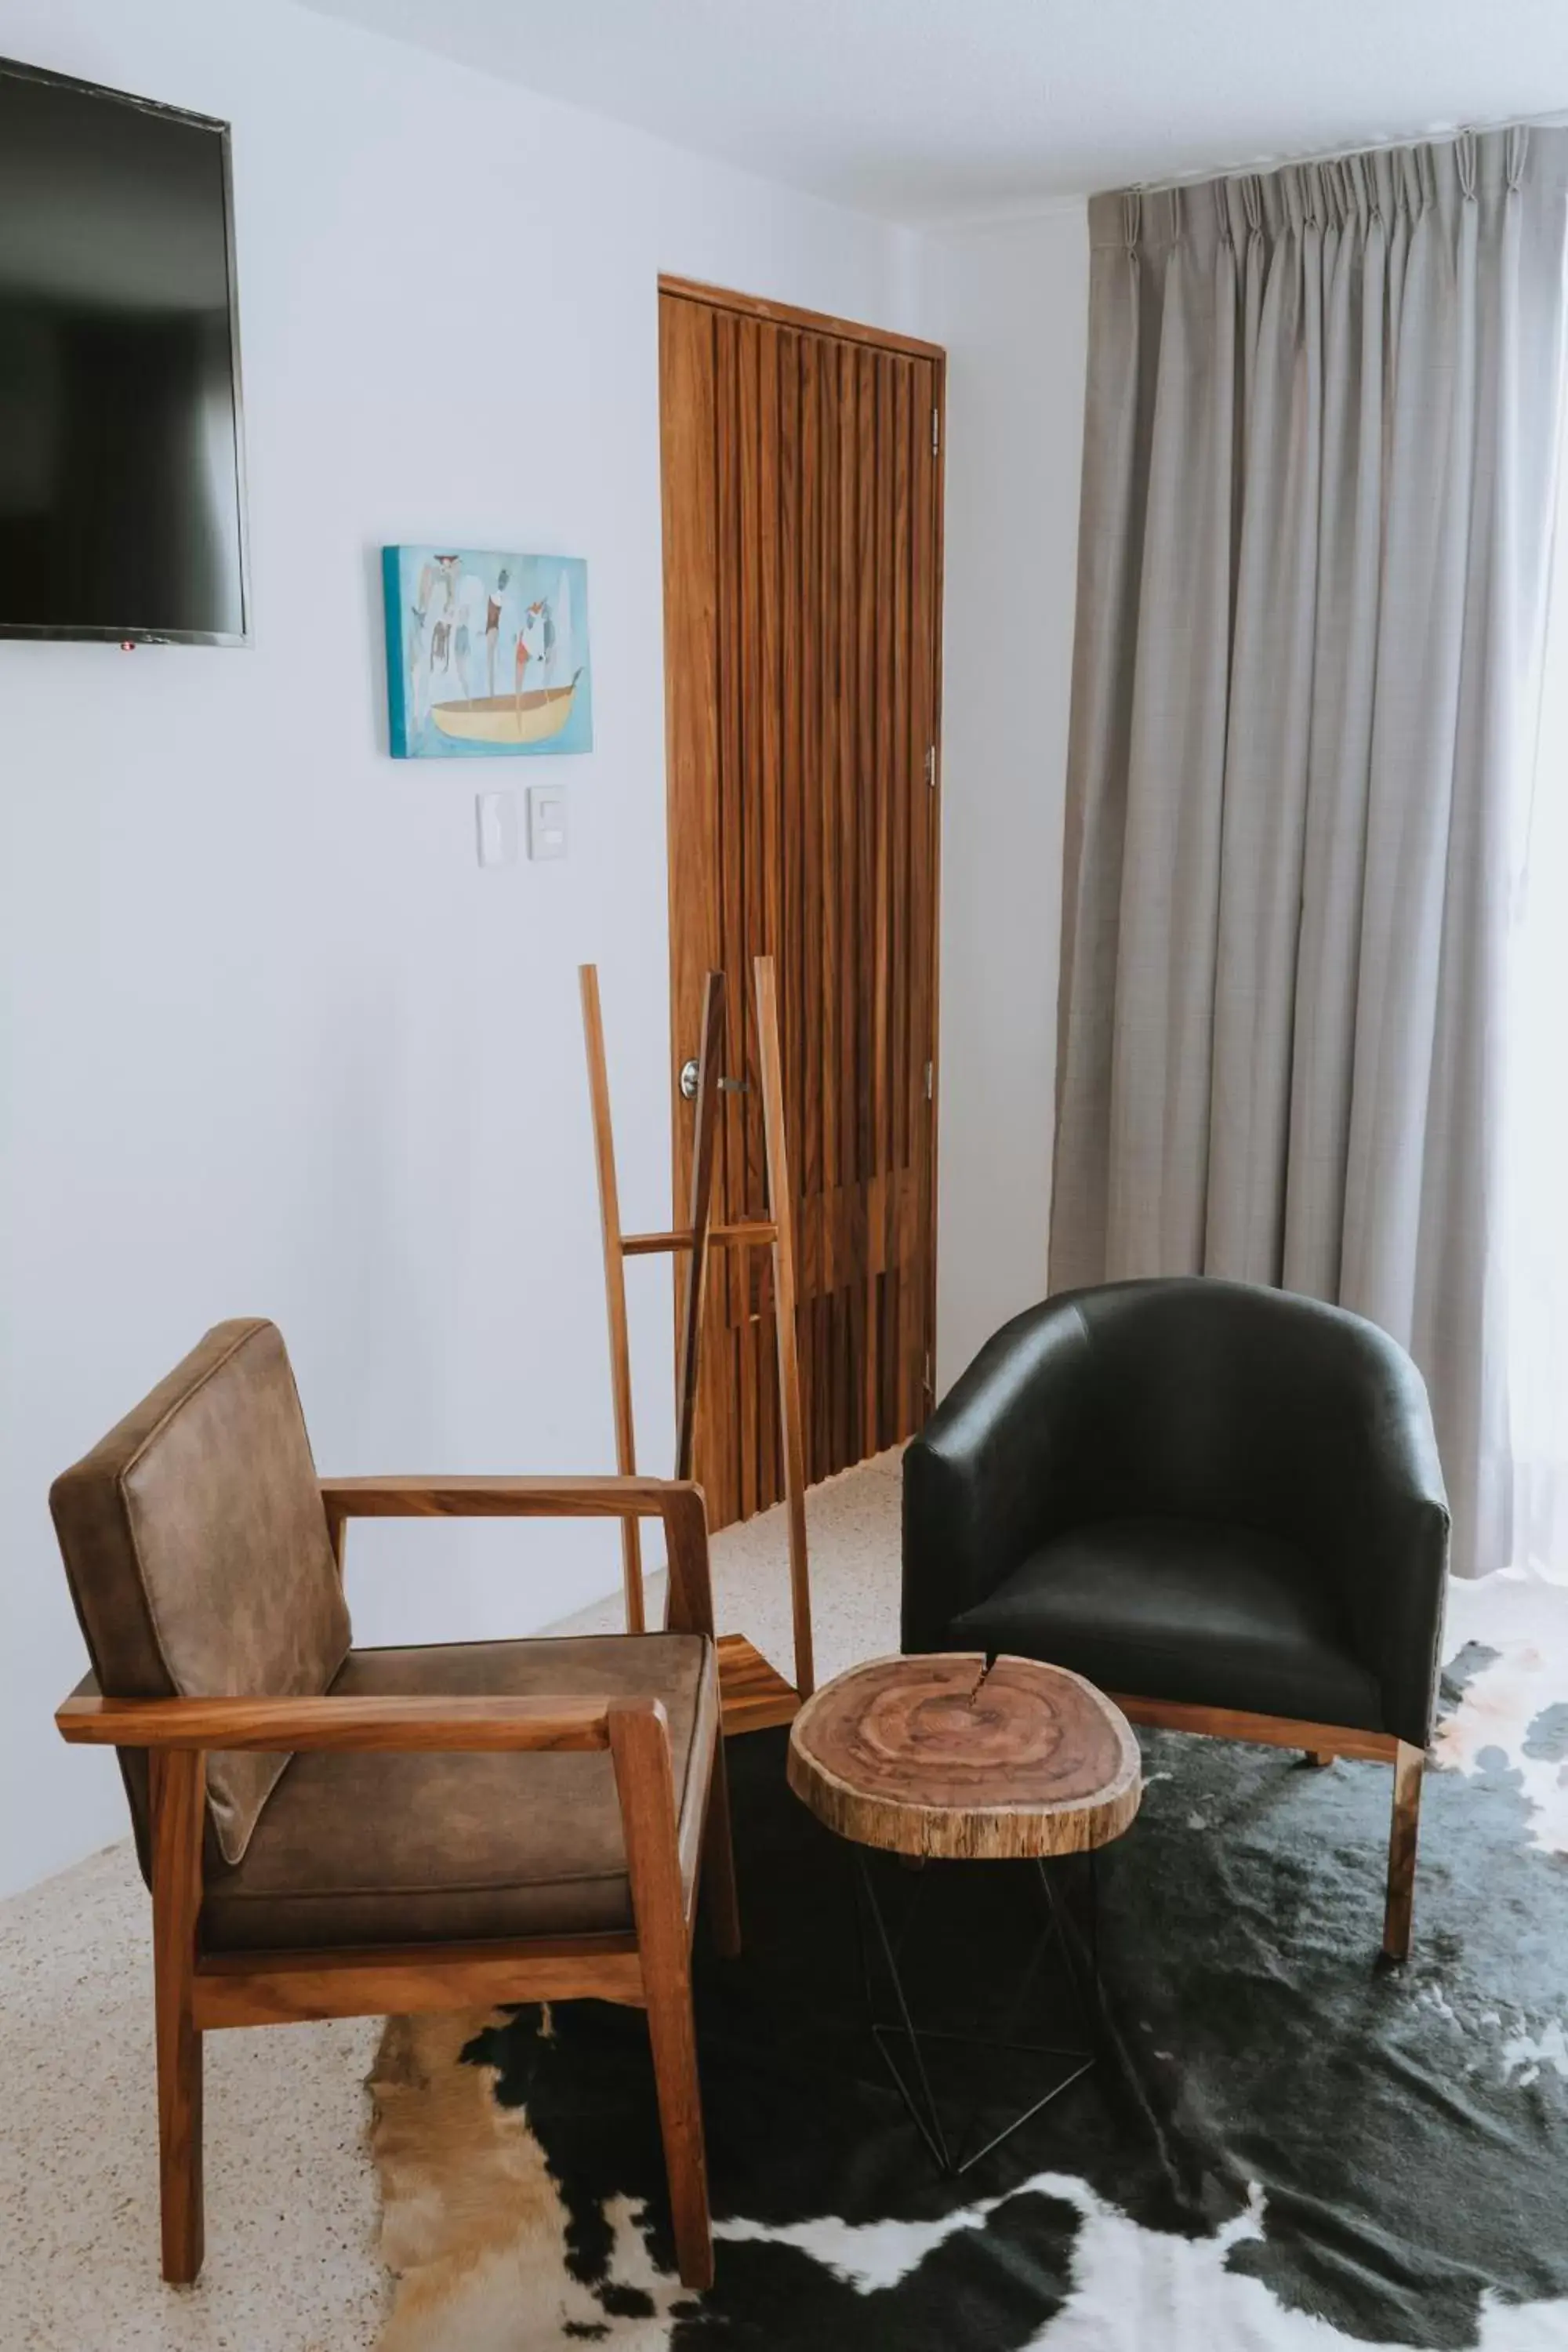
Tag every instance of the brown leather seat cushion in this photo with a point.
(377, 1848)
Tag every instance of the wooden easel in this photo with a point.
(754, 1693)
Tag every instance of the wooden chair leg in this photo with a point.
(639, 1743)
(723, 1902)
(177, 1780)
(1320, 1757)
(1408, 1766)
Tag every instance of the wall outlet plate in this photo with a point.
(546, 821)
(495, 818)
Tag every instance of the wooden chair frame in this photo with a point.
(754, 1695)
(648, 1967)
(1320, 1743)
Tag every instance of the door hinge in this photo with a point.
(929, 1079)
(935, 432)
(931, 766)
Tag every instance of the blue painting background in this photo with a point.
(417, 678)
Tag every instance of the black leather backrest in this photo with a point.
(1196, 1399)
(1227, 1401)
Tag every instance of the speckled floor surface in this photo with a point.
(291, 2215)
(290, 2199)
(852, 1538)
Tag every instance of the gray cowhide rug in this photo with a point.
(1286, 2148)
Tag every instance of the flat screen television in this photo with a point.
(122, 465)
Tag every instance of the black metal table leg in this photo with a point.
(953, 2152)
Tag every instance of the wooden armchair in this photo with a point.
(330, 1832)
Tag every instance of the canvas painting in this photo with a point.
(487, 655)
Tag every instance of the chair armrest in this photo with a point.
(678, 1502)
(279, 1726)
(1381, 1516)
(993, 1467)
(178, 1734)
(592, 1497)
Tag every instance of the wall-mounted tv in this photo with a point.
(122, 468)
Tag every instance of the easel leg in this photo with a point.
(698, 1239)
(615, 1283)
(701, 1221)
(781, 1200)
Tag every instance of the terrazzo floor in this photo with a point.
(292, 2213)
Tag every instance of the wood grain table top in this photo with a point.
(944, 1756)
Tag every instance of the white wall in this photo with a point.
(273, 1043)
(1010, 303)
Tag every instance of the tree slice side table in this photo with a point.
(950, 1757)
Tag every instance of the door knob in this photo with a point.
(691, 1073)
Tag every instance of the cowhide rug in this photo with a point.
(1286, 2148)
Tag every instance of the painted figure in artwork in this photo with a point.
(494, 609)
(418, 669)
(536, 642)
(539, 629)
(473, 612)
(433, 614)
(445, 611)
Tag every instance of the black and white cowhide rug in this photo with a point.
(1286, 2148)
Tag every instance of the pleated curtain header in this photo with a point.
(1383, 183)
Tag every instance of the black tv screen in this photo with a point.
(121, 474)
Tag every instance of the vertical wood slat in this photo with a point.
(790, 945)
(851, 1333)
(765, 793)
(796, 761)
(753, 803)
(883, 1191)
(874, 940)
(815, 1153)
(832, 693)
(738, 685)
(925, 670)
(907, 783)
(825, 658)
(688, 428)
(823, 485)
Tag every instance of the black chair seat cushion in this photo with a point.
(377, 1847)
(1185, 1610)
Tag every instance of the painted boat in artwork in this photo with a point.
(507, 718)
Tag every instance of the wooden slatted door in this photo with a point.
(802, 553)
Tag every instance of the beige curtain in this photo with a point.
(1317, 468)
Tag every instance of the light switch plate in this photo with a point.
(495, 816)
(546, 821)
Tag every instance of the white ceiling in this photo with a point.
(933, 109)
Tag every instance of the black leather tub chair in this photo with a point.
(1220, 1503)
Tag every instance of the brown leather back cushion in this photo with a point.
(198, 1556)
